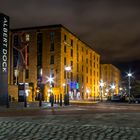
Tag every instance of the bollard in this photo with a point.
(65, 99)
(40, 100)
(60, 99)
(68, 99)
(55, 99)
(52, 100)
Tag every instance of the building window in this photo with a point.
(86, 51)
(71, 52)
(87, 69)
(82, 68)
(52, 41)
(87, 79)
(82, 49)
(27, 61)
(71, 75)
(72, 64)
(82, 78)
(27, 74)
(90, 56)
(65, 61)
(64, 74)
(90, 72)
(77, 57)
(71, 42)
(77, 48)
(87, 60)
(90, 63)
(77, 78)
(39, 49)
(65, 37)
(77, 67)
(27, 37)
(52, 59)
(52, 47)
(65, 49)
(16, 41)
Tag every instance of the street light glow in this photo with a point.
(113, 86)
(129, 74)
(101, 83)
(68, 68)
(50, 79)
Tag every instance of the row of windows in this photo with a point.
(65, 50)
(70, 76)
(65, 63)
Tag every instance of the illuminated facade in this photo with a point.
(110, 76)
(41, 52)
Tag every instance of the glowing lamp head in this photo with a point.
(68, 68)
(129, 74)
(113, 86)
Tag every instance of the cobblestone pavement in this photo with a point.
(97, 126)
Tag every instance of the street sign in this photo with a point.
(4, 47)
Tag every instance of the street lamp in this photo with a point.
(113, 88)
(129, 82)
(101, 83)
(16, 72)
(87, 91)
(67, 69)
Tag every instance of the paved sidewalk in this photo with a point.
(86, 127)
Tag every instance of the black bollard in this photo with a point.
(60, 99)
(55, 99)
(65, 99)
(68, 99)
(40, 100)
(52, 100)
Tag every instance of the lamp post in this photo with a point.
(113, 88)
(87, 91)
(16, 72)
(66, 96)
(51, 80)
(67, 69)
(129, 82)
(101, 83)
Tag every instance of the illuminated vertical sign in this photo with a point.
(4, 46)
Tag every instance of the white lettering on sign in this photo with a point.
(5, 45)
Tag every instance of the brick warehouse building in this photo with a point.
(41, 52)
(111, 75)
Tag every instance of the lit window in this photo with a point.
(52, 59)
(65, 50)
(71, 42)
(27, 37)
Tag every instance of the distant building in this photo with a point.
(40, 52)
(110, 76)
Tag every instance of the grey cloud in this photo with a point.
(109, 26)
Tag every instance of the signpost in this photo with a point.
(4, 46)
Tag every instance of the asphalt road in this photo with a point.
(102, 121)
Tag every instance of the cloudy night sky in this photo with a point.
(111, 27)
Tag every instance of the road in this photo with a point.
(102, 121)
